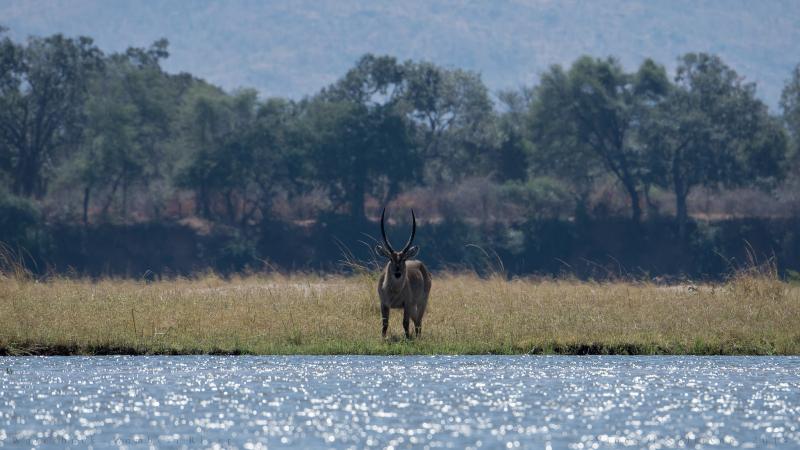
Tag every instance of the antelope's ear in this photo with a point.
(412, 252)
(380, 251)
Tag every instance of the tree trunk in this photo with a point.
(86, 192)
(110, 197)
(681, 192)
(391, 192)
(652, 208)
(125, 200)
(230, 207)
(629, 182)
(357, 200)
(202, 206)
(636, 208)
(26, 175)
(581, 208)
(682, 213)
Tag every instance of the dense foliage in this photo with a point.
(89, 139)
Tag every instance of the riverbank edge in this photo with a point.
(397, 348)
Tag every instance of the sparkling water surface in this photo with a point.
(399, 402)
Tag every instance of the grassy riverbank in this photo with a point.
(467, 315)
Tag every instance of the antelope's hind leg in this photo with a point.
(406, 319)
(417, 319)
(384, 320)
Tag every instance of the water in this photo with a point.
(434, 402)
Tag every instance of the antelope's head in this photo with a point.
(397, 260)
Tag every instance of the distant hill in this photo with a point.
(293, 48)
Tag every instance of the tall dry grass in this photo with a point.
(754, 313)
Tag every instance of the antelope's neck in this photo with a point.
(391, 284)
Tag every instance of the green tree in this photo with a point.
(587, 117)
(43, 86)
(132, 110)
(790, 105)
(218, 159)
(454, 120)
(280, 152)
(712, 130)
(515, 148)
(362, 139)
(249, 165)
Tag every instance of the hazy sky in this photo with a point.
(293, 48)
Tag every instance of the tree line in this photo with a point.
(90, 137)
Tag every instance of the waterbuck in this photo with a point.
(405, 283)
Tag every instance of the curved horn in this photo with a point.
(413, 232)
(383, 233)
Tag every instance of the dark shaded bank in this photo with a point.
(599, 249)
(400, 347)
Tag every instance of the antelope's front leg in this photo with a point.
(384, 320)
(406, 319)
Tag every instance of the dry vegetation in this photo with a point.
(752, 314)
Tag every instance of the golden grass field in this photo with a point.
(283, 314)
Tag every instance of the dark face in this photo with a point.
(397, 267)
(397, 260)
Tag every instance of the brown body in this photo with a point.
(405, 282)
(409, 293)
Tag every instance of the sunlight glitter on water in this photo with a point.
(398, 402)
